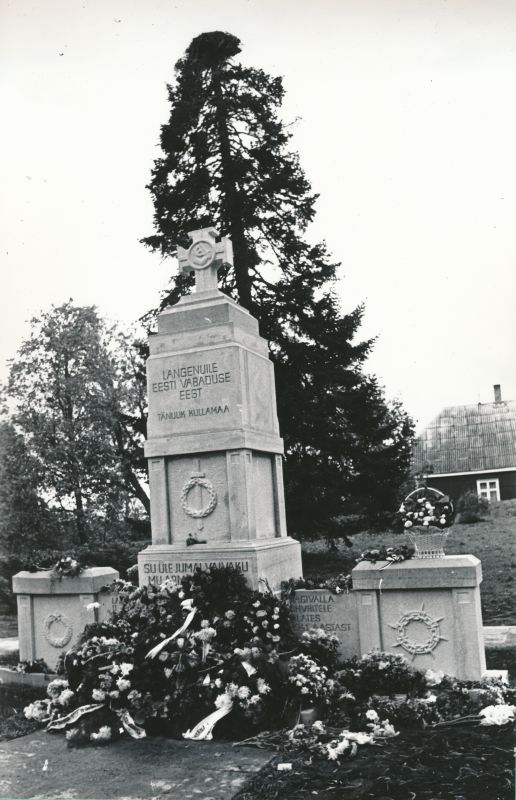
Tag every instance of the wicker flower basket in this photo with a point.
(428, 544)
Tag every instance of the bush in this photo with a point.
(471, 508)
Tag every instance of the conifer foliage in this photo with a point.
(226, 162)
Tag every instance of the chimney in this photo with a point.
(497, 393)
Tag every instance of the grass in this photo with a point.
(493, 541)
(8, 626)
(12, 702)
(454, 764)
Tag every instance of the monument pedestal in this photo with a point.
(427, 610)
(264, 563)
(213, 444)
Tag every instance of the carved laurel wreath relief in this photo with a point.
(60, 620)
(198, 479)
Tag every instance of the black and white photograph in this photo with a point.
(258, 400)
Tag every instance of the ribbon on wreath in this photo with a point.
(129, 725)
(73, 716)
(187, 604)
(127, 722)
(204, 728)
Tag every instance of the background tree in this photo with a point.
(78, 399)
(26, 522)
(226, 162)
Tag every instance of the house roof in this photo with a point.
(480, 437)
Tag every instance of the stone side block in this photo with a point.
(90, 581)
(434, 573)
(334, 613)
(52, 614)
(275, 560)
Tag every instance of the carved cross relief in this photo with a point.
(205, 256)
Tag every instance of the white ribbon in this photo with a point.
(73, 716)
(130, 726)
(204, 728)
(159, 647)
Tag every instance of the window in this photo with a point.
(489, 490)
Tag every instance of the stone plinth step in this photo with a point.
(499, 635)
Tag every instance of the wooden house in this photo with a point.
(471, 448)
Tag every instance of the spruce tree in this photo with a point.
(226, 162)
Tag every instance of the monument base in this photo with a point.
(427, 610)
(271, 560)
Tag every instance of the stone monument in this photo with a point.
(427, 610)
(53, 612)
(213, 444)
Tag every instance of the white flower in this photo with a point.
(229, 614)
(372, 715)
(115, 694)
(262, 686)
(388, 729)
(434, 678)
(223, 701)
(55, 688)
(103, 735)
(123, 684)
(408, 524)
(243, 692)
(498, 715)
(126, 668)
(318, 726)
(65, 697)
(98, 695)
(359, 737)
(37, 710)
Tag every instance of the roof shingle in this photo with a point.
(469, 438)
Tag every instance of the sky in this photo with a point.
(405, 122)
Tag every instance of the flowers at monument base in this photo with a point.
(321, 646)
(223, 675)
(498, 714)
(309, 681)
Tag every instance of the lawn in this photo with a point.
(12, 702)
(453, 764)
(492, 540)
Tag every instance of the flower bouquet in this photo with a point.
(426, 514)
(310, 684)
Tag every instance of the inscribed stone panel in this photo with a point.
(193, 392)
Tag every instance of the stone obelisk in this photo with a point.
(213, 446)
